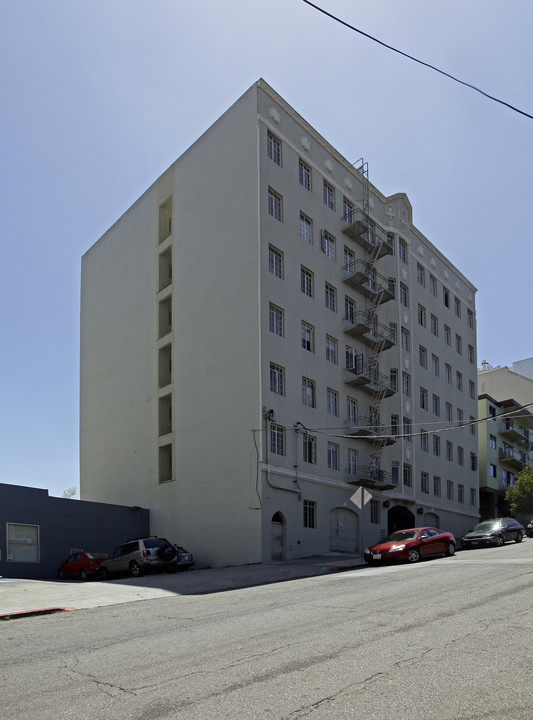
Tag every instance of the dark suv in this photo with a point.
(145, 555)
(493, 532)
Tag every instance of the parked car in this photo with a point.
(152, 554)
(493, 532)
(529, 529)
(411, 544)
(82, 564)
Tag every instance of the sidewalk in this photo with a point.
(33, 596)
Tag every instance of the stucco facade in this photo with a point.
(274, 360)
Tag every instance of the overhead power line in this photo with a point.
(420, 62)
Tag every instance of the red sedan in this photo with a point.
(81, 564)
(412, 544)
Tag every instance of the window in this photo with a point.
(347, 210)
(395, 472)
(331, 297)
(308, 337)
(331, 350)
(449, 489)
(328, 194)
(306, 229)
(350, 358)
(375, 509)
(436, 445)
(349, 259)
(309, 449)
(273, 148)
(424, 440)
(351, 467)
(436, 486)
(470, 319)
(492, 442)
(402, 250)
(449, 451)
(434, 326)
(433, 285)
(309, 508)
(351, 410)
(308, 392)
(277, 439)
(328, 245)
(471, 389)
(275, 261)
(460, 417)
(459, 344)
(332, 401)
(406, 340)
(448, 373)
(333, 456)
(406, 384)
(407, 475)
(304, 175)
(446, 297)
(472, 425)
(22, 543)
(274, 204)
(422, 315)
(470, 354)
(275, 320)
(407, 430)
(349, 310)
(473, 496)
(392, 332)
(435, 366)
(436, 405)
(394, 379)
(457, 305)
(447, 336)
(460, 455)
(424, 482)
(423, 356)
(423, 398)
(306, 281)
(277, 379)
(459, 380)
(421, 275)
(473, 461)
(394, 425)
(460, 493)
(390, 242)
(392, 287)
(404, 295)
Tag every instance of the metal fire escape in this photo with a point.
(364, 275)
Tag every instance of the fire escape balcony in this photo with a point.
(365, 375)
(371, 477)
(513, 458)
(361, 228)
(365, 429)
(361, 275)
(509, 429)
(361, 324)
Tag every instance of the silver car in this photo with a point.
(139, 556)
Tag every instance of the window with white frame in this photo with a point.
(447, 336)
(333, 456)
(402, 250)
(423, 398)
(349, 259)
(407, 429)
(328, 245)
(436, 445)
(273, 148)
(404, 295)
(308, 392)
(309, 449)
(492, 442)
(275, 204)
(436, 486)
(406, 339)
(459, 344)
(351, 460)
(424, 482)
(436, 405)
(473, 496)
(406, 384)
(423, 357)
(306, 281)
(421, 315)
(331, 297)
(392, 286)
(449, 489)
(434, 326)
(448, 373)
(332, 399)
(460, 416)
(393, 329)
(394, 379)
(328, 194)
(308, 337)
(277, 439)
(460, 455)
(433, 285)
(347, 210)
(457, 305)
(306, 228)
(275, 261)
(470, 319)
(277, 379)
(275, 319)
(22, 543)
(470, 354)
(351, 410)
(304, 175)
(421, 275)
(375, 509)
(472, 389)
(331, 350)
(449, 412)
(309, 514)
(424, 440)
(349, 310)
(459, 380)
(407, 475)
(449, 451)
(435, 365)
(460, 493)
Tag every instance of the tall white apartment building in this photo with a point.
(274, 360)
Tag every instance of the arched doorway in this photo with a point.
(399, 518)
(343, 530)
(277, 536)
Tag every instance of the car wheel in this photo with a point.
(61, 574)
(83, 575)
(413, 555)
(518, 537)
(500, 541)
(104, 572)
(136, 570)
(450, 550)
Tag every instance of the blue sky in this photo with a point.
(99, 97)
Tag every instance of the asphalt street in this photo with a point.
(448, 638)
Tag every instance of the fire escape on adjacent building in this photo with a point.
(362, 369)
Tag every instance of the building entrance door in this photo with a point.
(400, 518)
(343, 530)
(277, 536)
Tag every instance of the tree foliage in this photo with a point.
(520, 495)
(71, 492)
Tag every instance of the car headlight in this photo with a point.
(366, 551)
(396, 548)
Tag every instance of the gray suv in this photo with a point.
(142, 555)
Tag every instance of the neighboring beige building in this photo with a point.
(274, 360)
(505, 438)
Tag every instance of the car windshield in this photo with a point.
(487, 525)
(400, 535)
(98, 555)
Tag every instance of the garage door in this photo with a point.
(343, 530)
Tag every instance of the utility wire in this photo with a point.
(420, 62)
